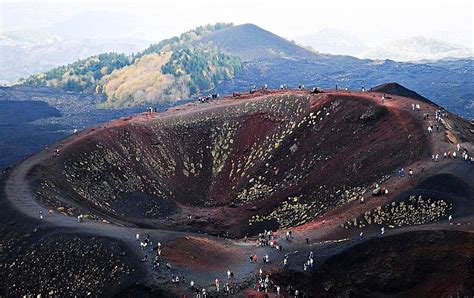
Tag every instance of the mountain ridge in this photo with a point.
(250, 42)
(275, 63)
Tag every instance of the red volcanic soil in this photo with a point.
(235, 166)
(201, 254)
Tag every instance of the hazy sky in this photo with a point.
(370, 21)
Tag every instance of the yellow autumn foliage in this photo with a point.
(143, 82)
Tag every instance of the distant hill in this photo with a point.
(226, 58)
(251, 42)
(397, 89)
(168, 71)
(416, 49)
(26, 52)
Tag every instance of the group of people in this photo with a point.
(265, 284)
(79, 218)
(266, 238)
(254, 89)
(415, 107)
(464, 154)
(262, 284)
(208, 97)
(454, 154)
(401, 173)
(439, 114)
(379, 190)
(150, 110)
(228, 287)
(309, 262)
(146, 242)
(431, 128)
(342, 88)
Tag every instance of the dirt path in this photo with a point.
(21, 198)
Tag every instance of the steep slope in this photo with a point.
(251, 42)
(278, 160)
(397, 89)
(427, 263)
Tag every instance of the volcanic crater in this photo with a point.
(268, 160)
(279, 160)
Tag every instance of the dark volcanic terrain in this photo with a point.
(205, 179)
(32, 118)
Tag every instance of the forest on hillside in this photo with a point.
(166, 71)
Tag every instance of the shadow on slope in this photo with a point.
(427, 263)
